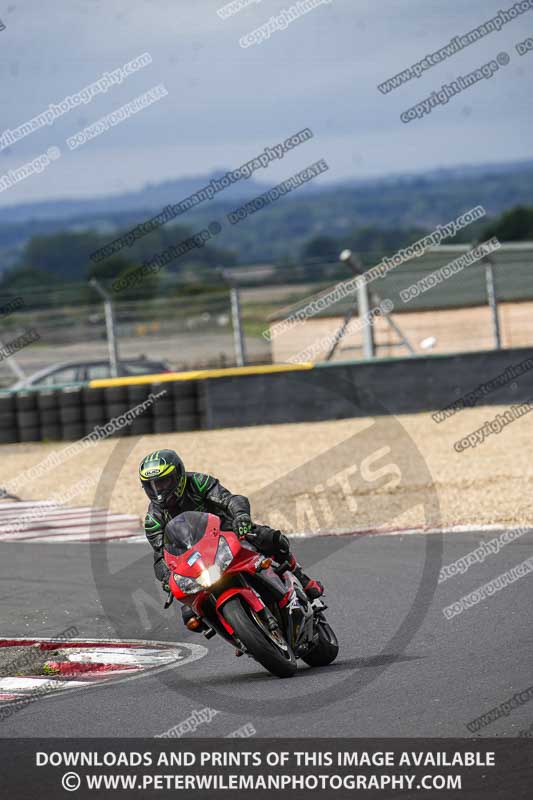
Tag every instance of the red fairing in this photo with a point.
(245, 560)
(251, 598)
(207, 546)
(243, 591)
(285, 599)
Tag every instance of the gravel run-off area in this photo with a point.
(489, 484)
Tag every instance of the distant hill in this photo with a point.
(152, 196)
(278, 231)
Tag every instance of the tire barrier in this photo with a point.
(68, 414)
(50, 418)
(8, 419)
(144, 424)
(71, 413)
(186, 405)
(116, 405)
(265, 395)
(164, 419)
(28, 420)
(94, 408)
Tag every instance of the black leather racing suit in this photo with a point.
(205, 493)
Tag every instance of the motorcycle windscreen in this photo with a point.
(184, 531)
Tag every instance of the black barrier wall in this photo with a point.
(329, 391)
(336, 391)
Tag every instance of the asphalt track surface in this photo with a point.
(427, 680)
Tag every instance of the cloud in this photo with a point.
(226, 102)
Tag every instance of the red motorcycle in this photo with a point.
(257, 606)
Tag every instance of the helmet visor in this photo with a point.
(161, 488)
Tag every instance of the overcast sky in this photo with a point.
(225, 103)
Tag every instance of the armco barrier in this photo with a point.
(272, 394)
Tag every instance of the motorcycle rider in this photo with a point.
(171, 491)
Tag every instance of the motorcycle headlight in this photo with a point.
(224, 556)
(209, 576)
(187, 585)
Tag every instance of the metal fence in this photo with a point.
(191, 332)
(190, 329)
(485, 305)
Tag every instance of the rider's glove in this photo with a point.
(162, 573)
(242, 525)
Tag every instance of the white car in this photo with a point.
(81, 372)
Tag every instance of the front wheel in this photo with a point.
(326, 649)
(270, 649)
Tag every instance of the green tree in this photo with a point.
(35, 286)
(320, 248)
(515, 225)
(106, 272)
(64, 255)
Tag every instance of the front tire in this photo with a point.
(327, 648)
(258, 641)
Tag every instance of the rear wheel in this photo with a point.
(326, 649)
(267, 647)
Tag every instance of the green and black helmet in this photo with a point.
(162, 475)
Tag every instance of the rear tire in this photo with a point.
(327, 648)
(257, 642)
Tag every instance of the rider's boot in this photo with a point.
(311, 587)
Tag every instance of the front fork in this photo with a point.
(213, 616)
(248, 594)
